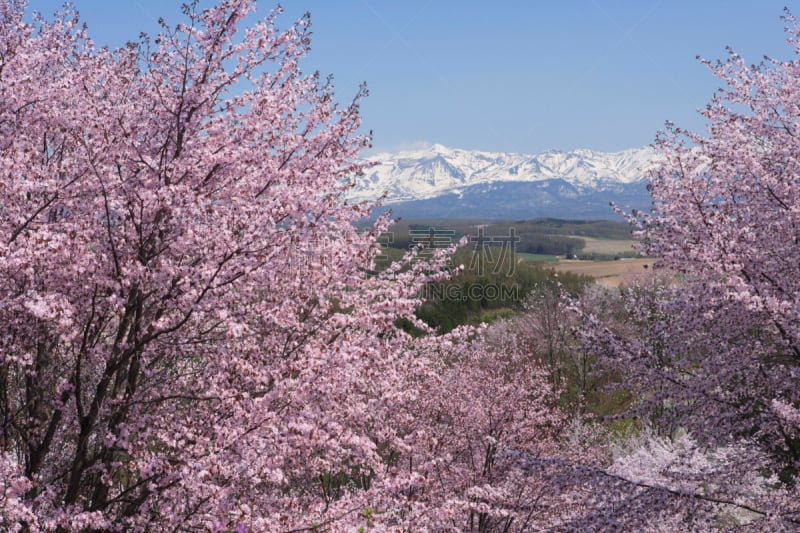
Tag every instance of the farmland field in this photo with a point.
(538, 258)
(606, 272)
(607, 246)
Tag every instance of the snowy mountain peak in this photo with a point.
(437, 170)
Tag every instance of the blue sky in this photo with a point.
(508, 75)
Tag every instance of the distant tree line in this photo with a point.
(532, 239)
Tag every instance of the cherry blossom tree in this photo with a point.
(193, 334)
(713, 344)
(484, 404)
(191, 331)
(486, 447)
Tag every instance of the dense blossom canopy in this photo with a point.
(195, 336)
(712, 343)
(190, 331)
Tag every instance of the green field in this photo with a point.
(538, 258)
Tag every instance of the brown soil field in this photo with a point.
(606, 272)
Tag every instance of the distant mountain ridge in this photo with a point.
(455, 183)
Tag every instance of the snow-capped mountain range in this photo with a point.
(440, 181)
